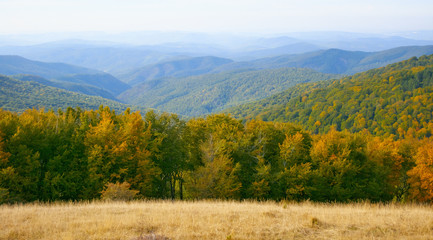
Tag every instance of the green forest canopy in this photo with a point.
(210, 93)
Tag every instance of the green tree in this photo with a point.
(342, 171)
(142, 172)
(219, 176)
(295, 172)
(169, 130)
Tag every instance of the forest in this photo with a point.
(76, 154)
(211, 93)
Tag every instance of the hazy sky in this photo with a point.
(261, 16)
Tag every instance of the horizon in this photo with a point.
(22, 17)
(146, 37)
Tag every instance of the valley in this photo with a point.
(164, 120)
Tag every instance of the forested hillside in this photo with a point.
(14, 65)
(76, 154)
(178, 68)
(204, 94)
(18, 96)
(392, 100)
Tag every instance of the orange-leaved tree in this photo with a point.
(421, 176)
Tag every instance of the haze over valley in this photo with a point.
(194, 74)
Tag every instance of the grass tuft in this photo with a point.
(314, 222)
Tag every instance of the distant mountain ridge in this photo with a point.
(115, 54)
(111, 58)
(293, 48)
(334, 61)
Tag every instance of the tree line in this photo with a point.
(74, 154)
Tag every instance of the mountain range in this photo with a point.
(196, 77)
(335, 61)
(233, 83)
(116, 53)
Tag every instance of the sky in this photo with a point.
(214, 16)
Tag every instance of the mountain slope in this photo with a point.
(177, 68)
(389, 100)
(18, 96)
(209, 93)
(13, 65)
(101, 80)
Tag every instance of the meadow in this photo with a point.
(142, 220)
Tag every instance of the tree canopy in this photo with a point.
(75, 154)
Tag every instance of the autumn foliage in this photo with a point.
(77, 154)
(422, 174)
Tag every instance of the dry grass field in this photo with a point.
(215, 220)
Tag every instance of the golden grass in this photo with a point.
(215, 220)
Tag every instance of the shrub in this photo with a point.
(118, 192)
(4, 195)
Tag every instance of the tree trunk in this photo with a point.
(172, 187)
(181, 188)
